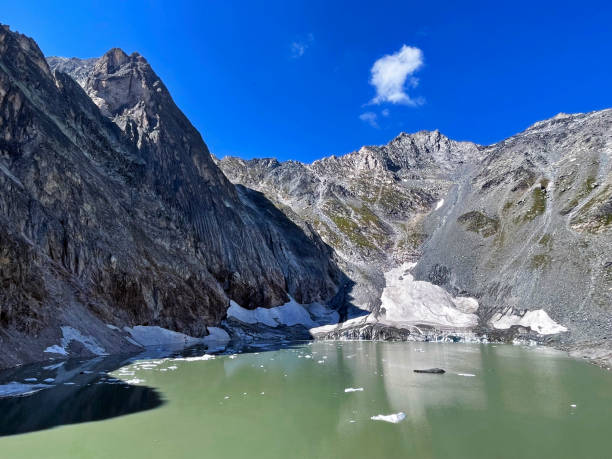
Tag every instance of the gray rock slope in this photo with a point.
(524, 224)
(113, 212)
(369, 205)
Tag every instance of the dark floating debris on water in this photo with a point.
(437, 371)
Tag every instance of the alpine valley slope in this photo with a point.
(522, 228)
(113, 214)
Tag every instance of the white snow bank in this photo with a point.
(194, 359)
(70, 334)
(538, 320)
(353, 389)
(418, 302)
(290, 313)
(216, 335)
(439, 204)
(146, 335)
(14, 388)
(56, 349)
(393, 418)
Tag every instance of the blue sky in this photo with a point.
(302, 80)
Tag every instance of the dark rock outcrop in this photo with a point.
(113, 212)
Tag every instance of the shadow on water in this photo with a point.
(83, 391)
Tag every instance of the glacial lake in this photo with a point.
(494, 401)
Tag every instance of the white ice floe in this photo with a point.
(70, 334)
(135, 381)
(353, 389)
(146, 335)
(31, 380)
(393, 418)
(405, 299)
(14, 388)
(466, 374)
(538, 320)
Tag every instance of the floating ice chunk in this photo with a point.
(226, 397)
(573, 405)
(30, 379)
(49, 380)
(466, 374)
(135, 381)
(353, 389)
(393, 418)
(113, 327)
(320, 361)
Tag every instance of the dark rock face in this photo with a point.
(113, 212)
(435, 371)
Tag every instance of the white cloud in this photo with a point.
(389, 75)
(299, 47)
(385, 112)
(370, 118)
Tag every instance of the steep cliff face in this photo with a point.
(524, 226)
(113, 212)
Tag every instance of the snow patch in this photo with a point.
(70, 334)
(216, 335)
(14, 388)
(439, 204)
(407, 300)
(393, 418)
(145, 335)
(56, 349)
(538, 320)
(289, 314)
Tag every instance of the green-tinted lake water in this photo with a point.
(291, 403)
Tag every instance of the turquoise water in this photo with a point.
(291, 403)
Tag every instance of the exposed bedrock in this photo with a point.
(113, 212)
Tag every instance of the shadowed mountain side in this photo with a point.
(113, 212)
